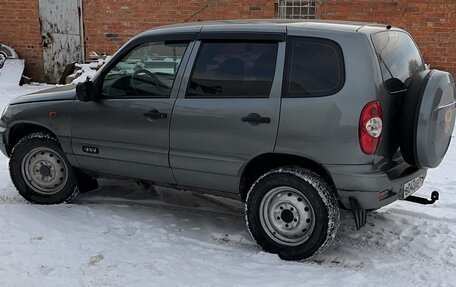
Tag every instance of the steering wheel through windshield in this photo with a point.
(135, 78)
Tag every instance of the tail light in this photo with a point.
(370, 127)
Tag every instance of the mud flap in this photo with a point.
(85, 182)
(359, 214)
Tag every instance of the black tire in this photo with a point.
(67, 190)
(317, 194)
(5, 53)
(3, 58)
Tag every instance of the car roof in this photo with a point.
(263, 25)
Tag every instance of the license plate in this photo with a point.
(411, 186)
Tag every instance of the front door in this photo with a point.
(229, 112)
(126, 132)
(60, 36)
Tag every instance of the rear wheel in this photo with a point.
(41, 172)
(292, 212)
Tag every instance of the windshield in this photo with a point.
(398, 56)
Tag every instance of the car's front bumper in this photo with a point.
(372, 188)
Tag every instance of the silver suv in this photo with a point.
(297, 118)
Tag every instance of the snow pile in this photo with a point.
(87, 71)
(121, 235)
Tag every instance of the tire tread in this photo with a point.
(324, 191)
(33, 199)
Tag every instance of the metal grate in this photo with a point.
(297, 9)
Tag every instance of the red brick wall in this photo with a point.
(20, 29)
(432, 23)
(109, 23)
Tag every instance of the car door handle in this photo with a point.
(155, 115)
(255, 118)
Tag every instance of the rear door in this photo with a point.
(227, 111)
(399, 60)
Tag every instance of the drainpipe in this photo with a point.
(81, 29)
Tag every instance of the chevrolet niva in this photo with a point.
(296, 118)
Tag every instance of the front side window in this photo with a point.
(314, 67)
(233, 70)
(147, 71)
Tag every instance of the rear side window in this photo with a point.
(314, 67)
(398, 56)
(233, 70)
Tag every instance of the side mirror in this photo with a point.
(85, 91)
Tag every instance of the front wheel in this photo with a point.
(292, 212)
(40, 170)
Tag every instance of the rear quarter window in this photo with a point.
(314, 67)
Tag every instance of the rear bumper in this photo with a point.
(365, 182)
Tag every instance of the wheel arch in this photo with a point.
(268, 161)
(20, 130)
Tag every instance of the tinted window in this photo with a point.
(314, 67)
(147, 71)
(225, 70)
(398, 56)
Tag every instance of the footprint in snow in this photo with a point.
(46, 270)
(94, 260)
(37, 238)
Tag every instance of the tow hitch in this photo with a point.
(360, 214)
(422, 200)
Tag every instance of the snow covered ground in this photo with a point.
(122, 235)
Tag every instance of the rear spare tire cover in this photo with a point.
(428, 118)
